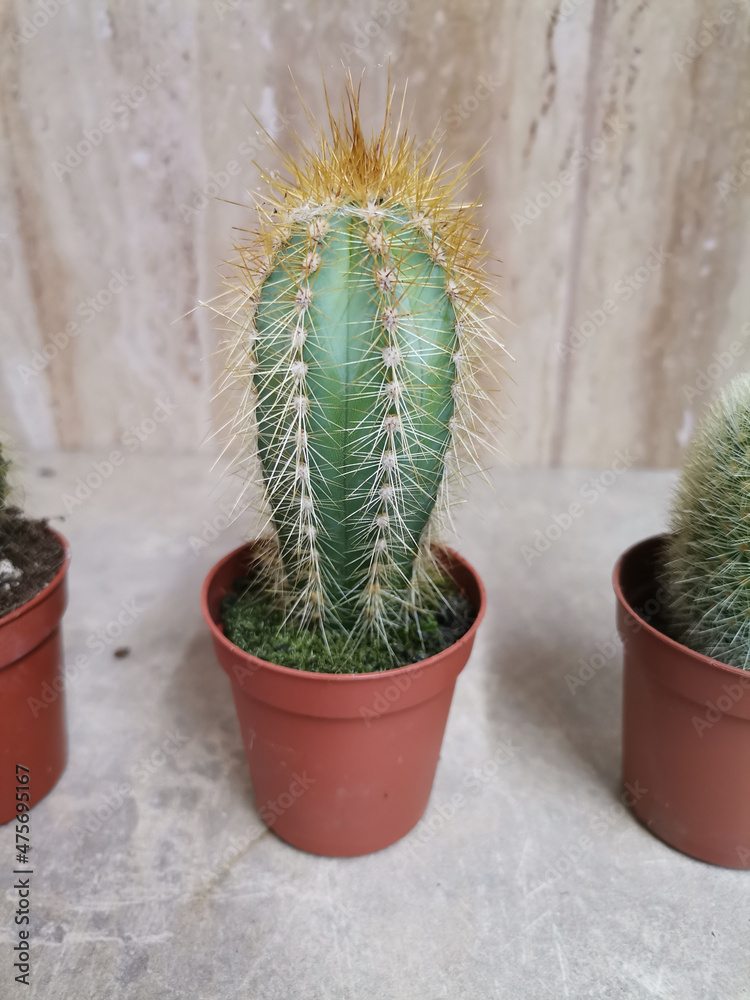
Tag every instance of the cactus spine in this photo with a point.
(707, 573)
(359, 314)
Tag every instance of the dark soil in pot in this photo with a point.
(30, 556)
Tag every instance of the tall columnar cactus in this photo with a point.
(707, 576)
(359, 315)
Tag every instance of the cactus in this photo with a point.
(707, 566)
(359, 318)
(4, 487)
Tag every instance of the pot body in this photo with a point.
(341, 764)
(32, 699)
(686, 727)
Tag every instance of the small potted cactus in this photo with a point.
(33, 566)
(684, 618)
(360, 321)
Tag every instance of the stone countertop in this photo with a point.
(539, 885)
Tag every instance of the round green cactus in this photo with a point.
(360, 318)
(707, 572)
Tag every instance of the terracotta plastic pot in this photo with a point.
(342, 764)
(32, 702)
(686, 727)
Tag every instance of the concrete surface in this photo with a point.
(540, 885)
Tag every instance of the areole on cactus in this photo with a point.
(361, 329)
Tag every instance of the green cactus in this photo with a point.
(707, 566)
(4, 487)
(359, 316)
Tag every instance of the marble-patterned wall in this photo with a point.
(614, 184)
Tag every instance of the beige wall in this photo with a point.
(605, 122)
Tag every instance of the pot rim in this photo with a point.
(699, 658)
(324, 678)
(45, 591)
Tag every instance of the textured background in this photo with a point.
(612, 183)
